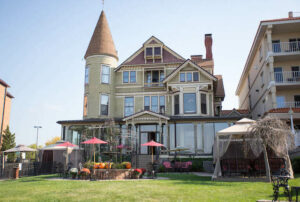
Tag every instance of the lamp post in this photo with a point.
(292, 122)
(37, 140)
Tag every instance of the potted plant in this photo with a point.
(84, 173)
(73, 172)
(137, 173)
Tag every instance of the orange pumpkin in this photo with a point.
(128, 165)
(101, 165)
(107, 165)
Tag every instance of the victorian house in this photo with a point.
(155, 94)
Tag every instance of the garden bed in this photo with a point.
(113, 174)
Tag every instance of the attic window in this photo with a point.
(149, 51)
(157, 51)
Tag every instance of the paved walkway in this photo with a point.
(69, 179)
(203, 174)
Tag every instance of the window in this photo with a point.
(189, 77)
(295, 71)
(128, 106)
(157, 51)
(182, 77)
(104, 105)
(132, 76)
(154, 103)
(176, 104)
(105, 74)
(85, 105)
(195, 76)
(262, 79)
(185, 136)
(276, 46)
(189, 103)
(294, 44)
(154, 78)
(297, 101)
(278, 74)
(86, 75)
(280, 101)
(162, 104)
(209, 137)
(149, 51)
(203, 104)
(147, 103)
(125, 77)
(260, 54)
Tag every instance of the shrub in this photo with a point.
(88, 165)
(296, 164)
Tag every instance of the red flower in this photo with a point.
(138, 170)
(143, 170)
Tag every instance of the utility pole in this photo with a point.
(37, 141)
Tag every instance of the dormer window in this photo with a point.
(189, 76)
(153, 52)
(149, 51)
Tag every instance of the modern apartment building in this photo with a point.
(270, 82)
(5, 105)
(155, 94)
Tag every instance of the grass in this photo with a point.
(183, 187)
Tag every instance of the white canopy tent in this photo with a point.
(223, 139)
(237, 133)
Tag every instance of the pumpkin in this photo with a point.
(128, 165)
(107, 165)
(96, 166)
(101, 165)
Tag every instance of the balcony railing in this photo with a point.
(286, 47)
(287, 77)
(153, 84)
(288, 105)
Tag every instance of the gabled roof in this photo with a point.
(101, 42)
(188, 61)
(235, 112)
(137, 58)
(146, 112)
(9, 95)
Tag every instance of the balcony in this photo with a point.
(289, 105)
(153, 84)
(284, 48)
(287, 77)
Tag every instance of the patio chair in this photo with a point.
(186, 166)
(168, 166)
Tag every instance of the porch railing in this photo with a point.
(286, 47)
(288, 105)
(153, 84)
(287, 77)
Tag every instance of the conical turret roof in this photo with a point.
(101, 42)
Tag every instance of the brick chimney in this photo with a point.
(196, 58)
(291, 14)
(208, 45)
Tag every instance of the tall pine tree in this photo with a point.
(8, 140)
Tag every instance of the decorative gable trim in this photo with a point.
(188, 61)
(149, 42)
(141, 113)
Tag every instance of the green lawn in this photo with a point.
(183, 187)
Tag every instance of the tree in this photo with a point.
(8, 142)
(271, 132)
(31, 155)
(52, 141)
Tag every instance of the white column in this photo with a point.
(198, 100)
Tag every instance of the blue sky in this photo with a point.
(42, 44)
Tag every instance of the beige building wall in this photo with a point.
(7, 108)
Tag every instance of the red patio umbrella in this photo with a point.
(94, 141)
(153, 144)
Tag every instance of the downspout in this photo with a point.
(3, 113)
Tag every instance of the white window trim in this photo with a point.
(87, 81)
(101, 73)
(158, 104)
(185, 76)
(124, 105)
(107, 106)
(129, 73)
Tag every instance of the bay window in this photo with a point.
(105, 74)
(128, 106)
(104, 105)
(189, 103)
(176, 104)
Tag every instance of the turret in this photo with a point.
(101, 59)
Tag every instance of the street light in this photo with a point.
(291, 112)
(37, 140)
